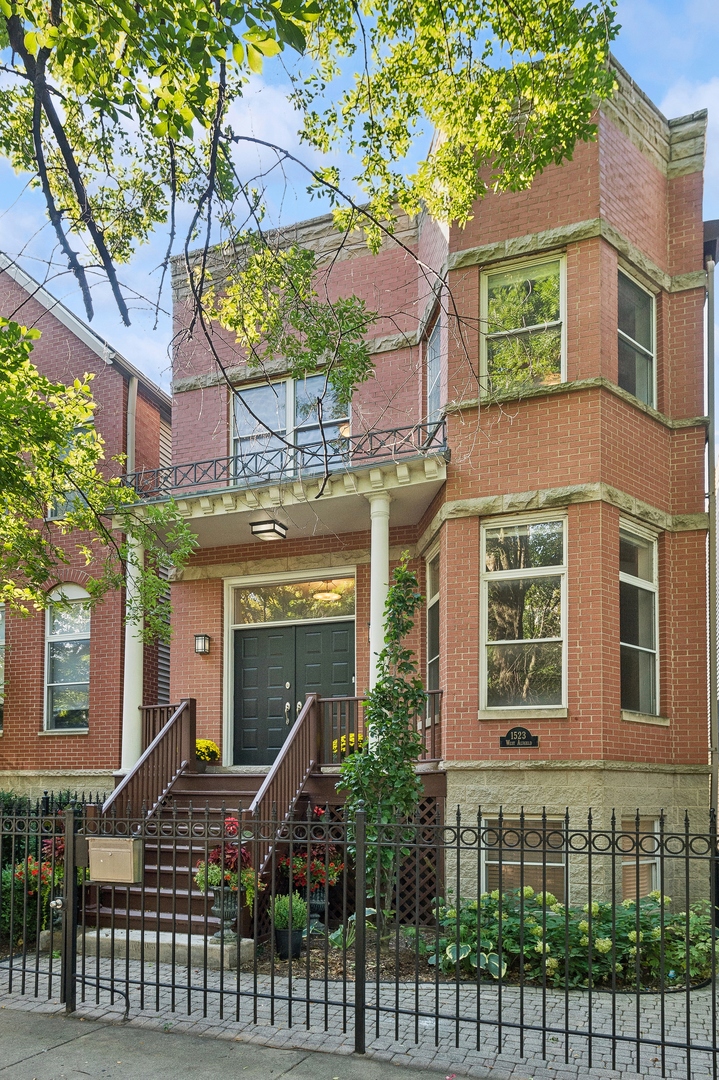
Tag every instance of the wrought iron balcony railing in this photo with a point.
(276, 463)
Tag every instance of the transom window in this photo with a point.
(523, 326)
(328, 598)
(523, 602)
(636, 340)
(67, 663)
(290, 410)
(638, 623)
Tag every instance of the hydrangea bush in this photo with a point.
(627, 944)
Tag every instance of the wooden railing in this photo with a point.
(342, 728)
(284, 782)
(154, 718)
(170, 754)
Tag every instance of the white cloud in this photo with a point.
(687, 97)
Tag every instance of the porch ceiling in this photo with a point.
(224, 517)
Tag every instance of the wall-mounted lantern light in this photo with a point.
(269, 529)
(202, 643)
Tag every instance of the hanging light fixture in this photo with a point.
(327, 593)
(271, 529)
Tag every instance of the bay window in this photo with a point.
(523, 326)
(523, 615)
(638, 622)
(636, 340)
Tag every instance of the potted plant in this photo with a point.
(289, 941)
(319, 868)
(207, 753)
(227, 872)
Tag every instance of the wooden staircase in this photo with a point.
(164, 788)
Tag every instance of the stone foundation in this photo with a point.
(35, 782)
(578, 787)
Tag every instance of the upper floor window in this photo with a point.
(523, 620)
(67, 661)
(433, 623)
(270, 415)
(638, 622)
(2, 664)
(636, 340)
(434, 372)
(523, 326)
(71, 496)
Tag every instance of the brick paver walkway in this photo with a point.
(398, 1030)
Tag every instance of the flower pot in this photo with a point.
(285, 946)
(317, 904)
(200, 765)
(225, 909)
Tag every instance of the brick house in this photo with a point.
(534, 437)
(44, 745)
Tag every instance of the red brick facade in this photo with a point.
(581, 450)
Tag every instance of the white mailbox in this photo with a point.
(115, 859)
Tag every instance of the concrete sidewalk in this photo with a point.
(48, 1046)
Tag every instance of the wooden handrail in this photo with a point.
(342, 727)
(170, 754)
(284, 782)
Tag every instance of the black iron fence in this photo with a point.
(500, 934)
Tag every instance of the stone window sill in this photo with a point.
(513, 715)
(645, 718)
(66, 731)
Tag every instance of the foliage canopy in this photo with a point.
(52, 485)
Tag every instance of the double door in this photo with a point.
(275, 667)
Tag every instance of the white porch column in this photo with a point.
(132, 673)
(379, 576)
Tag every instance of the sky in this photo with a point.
(669, 47)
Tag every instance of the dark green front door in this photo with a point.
(274, 668)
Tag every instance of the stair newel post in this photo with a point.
(68, 992)
(189, 733)
(314, 729)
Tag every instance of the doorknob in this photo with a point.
(299, 709)
(287, 712)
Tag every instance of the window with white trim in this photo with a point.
(2, 665)
(434, 372)
(523, 615)
(433, 623)
(638, 630)
(636, 340)
(269, 416)
(523, 326)
(67, 659)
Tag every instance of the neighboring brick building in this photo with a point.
(569, 525)
(57, 734)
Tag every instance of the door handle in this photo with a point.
(287, 712)
(299, 709)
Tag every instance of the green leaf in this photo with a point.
(238, 52)
(454, 955)
(254, 59)
(30, 42)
